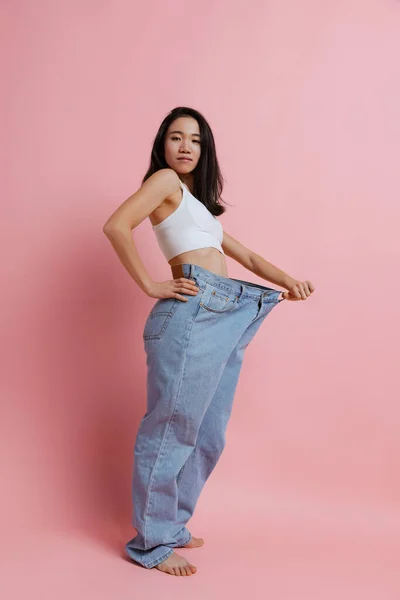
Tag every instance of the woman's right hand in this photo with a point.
(173, 288)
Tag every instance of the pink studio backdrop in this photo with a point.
(303, 100)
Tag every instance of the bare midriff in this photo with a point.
(208, 258)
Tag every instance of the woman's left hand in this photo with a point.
(301, 290)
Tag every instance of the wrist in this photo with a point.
(289, 282)
(147, 286)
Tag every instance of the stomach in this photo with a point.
(208, 258)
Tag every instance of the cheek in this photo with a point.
(167, 150)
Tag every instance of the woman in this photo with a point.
(194, 336)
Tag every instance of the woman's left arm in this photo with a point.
(261, 267)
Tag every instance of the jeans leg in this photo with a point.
(211, 438)
(184, 369)
(210, 441)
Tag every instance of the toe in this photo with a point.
(183, 571)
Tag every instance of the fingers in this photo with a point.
(303, 290)
(186, 286)
(308, 289)
(310, 286)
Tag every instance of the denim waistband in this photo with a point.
(238, 287)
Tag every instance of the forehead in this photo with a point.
(184, 126)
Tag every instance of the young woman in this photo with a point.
(194, 337)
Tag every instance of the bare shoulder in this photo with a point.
(152, 193)
(164, 177)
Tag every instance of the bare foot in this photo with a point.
(194, 542)
(176, 565)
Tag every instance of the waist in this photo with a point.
(228, 284)
(209, 258)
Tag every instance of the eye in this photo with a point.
(173, 138)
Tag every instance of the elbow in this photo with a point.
(107, 229)
(111, 228)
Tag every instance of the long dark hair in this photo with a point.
(207, 178)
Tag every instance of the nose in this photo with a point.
(185, 145)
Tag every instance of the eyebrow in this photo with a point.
(181, 132)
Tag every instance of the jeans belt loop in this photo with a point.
(242, 291)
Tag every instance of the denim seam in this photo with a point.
(221, 312)
(168, 317)
(168, 427)
(188, 539)
(180, 474)
(242, 296)
(248, 284)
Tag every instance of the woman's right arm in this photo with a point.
(133, 211)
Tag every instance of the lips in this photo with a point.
(184, 159)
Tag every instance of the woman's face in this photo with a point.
(182, 140)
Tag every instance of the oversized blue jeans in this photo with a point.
(194, 353)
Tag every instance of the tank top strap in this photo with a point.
(183, 186)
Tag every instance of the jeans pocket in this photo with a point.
(159, 318)
(217, 300)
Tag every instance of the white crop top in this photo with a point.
(189, 227)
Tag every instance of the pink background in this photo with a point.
(303, 98)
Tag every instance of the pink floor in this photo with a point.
(284, 547)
